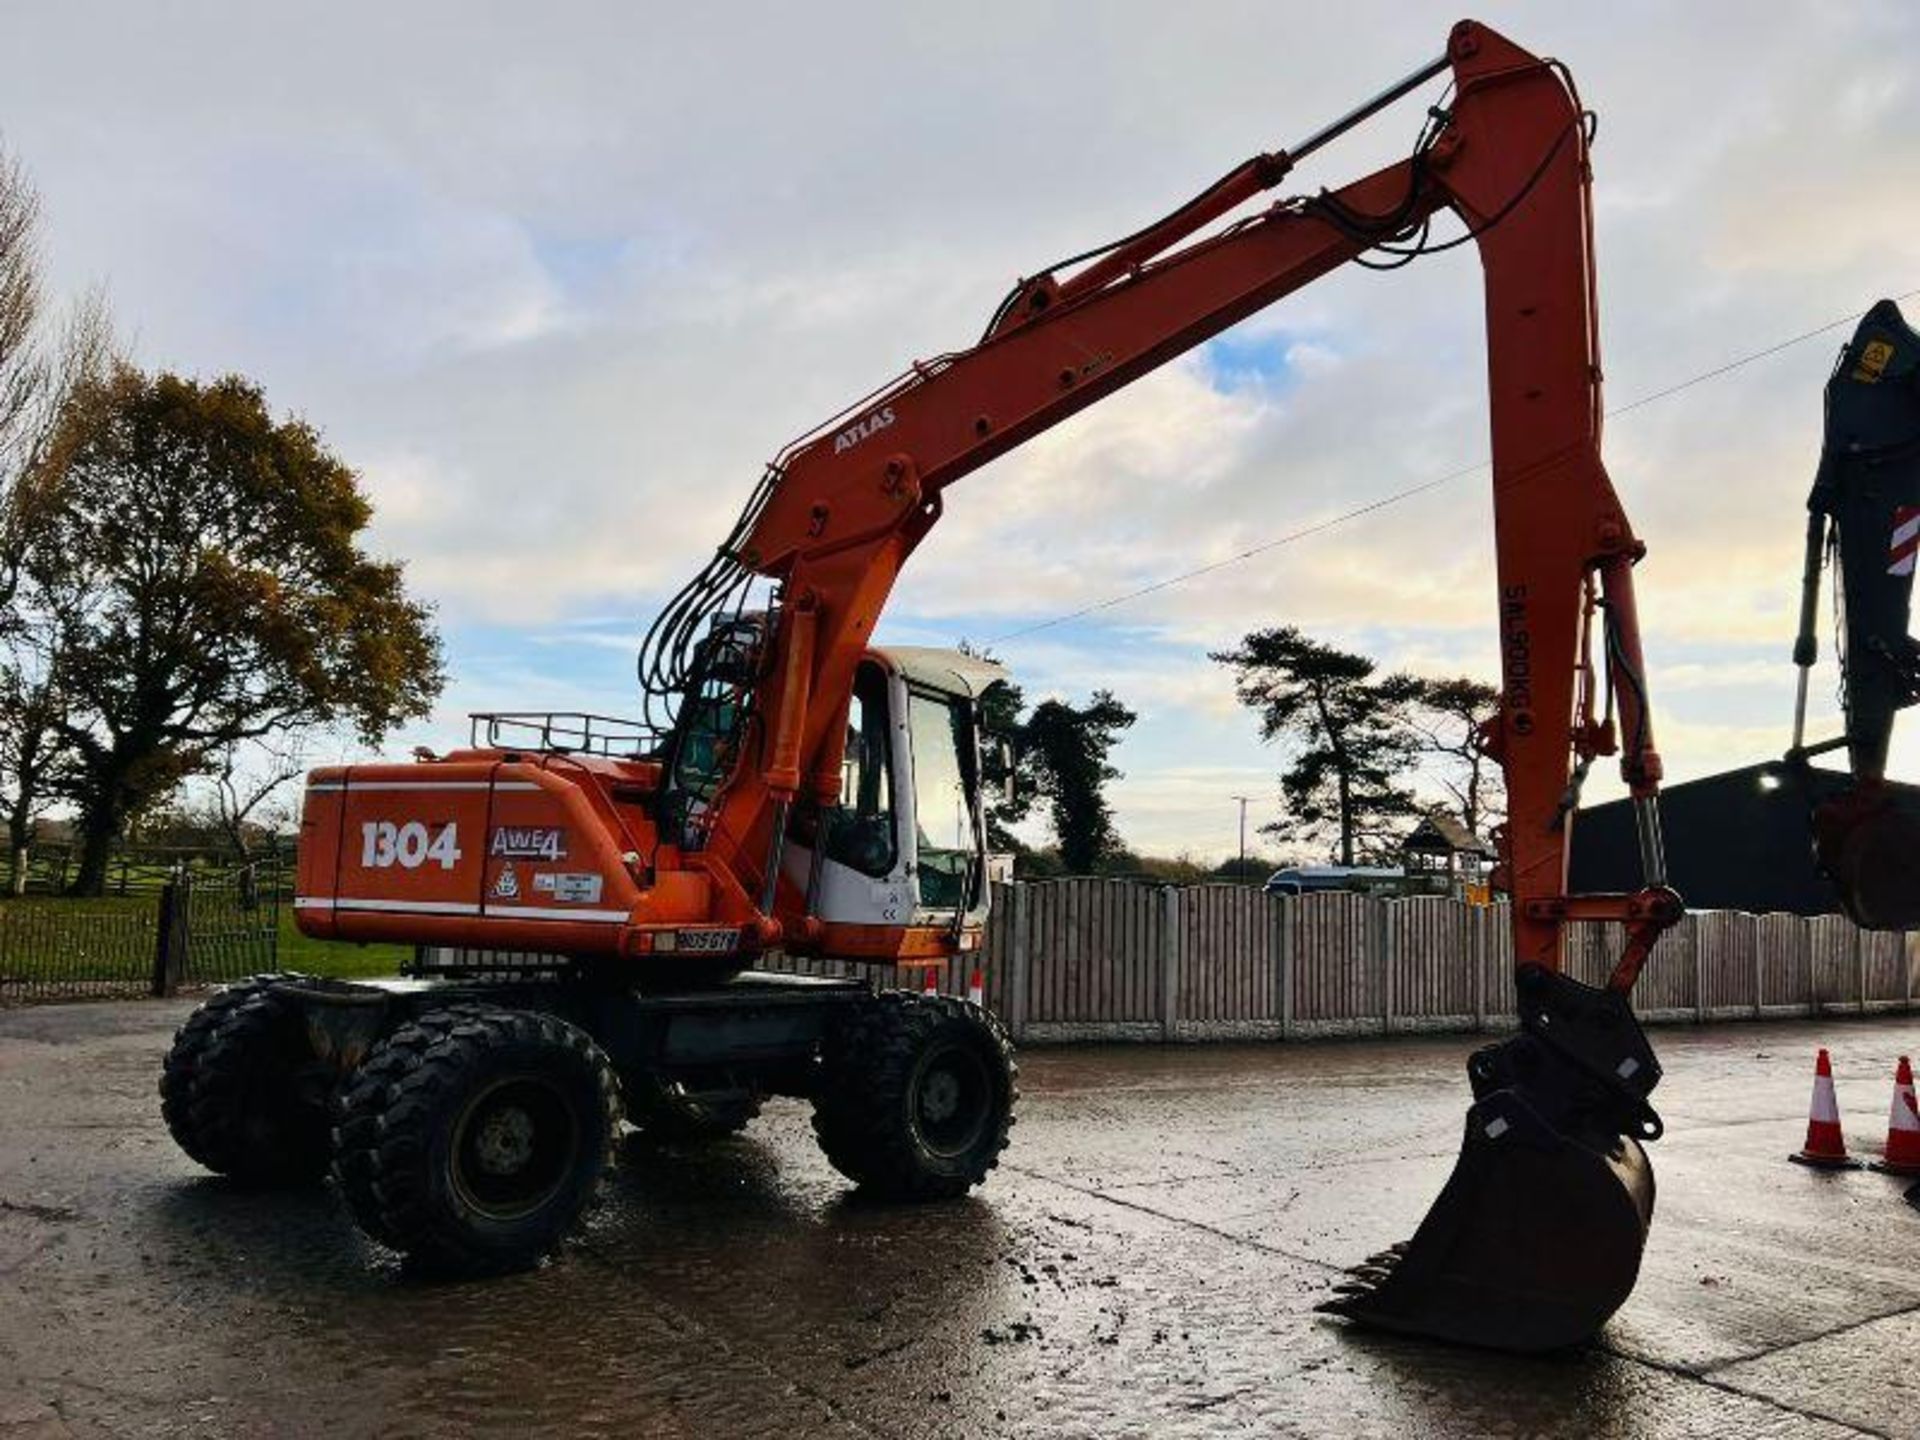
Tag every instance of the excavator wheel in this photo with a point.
(242, 1091)
(916, 1096)
(473, 1138)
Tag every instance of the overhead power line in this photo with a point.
(1320, 527)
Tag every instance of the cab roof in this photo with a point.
(953, 672)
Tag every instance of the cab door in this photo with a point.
(948, 866)
(864, 874)
(902, 843)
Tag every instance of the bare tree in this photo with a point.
(34, 763)
(44, 360)
(1449, 715)
(248, 776)
(22, 365)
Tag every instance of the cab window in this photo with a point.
(860, 826)
(939, 729)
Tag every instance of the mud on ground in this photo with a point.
(1145, 1262)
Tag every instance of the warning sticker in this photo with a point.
(1873, 361)
(570, 888)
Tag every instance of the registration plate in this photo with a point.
(704, 942)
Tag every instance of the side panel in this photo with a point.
(479, 853)
(546, 861)
(411, 845)
(318, 857)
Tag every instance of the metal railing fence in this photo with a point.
(194, 927)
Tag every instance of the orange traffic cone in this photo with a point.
(977, 988)
(1826, 1147)
(1903, 1127)
(931, 985)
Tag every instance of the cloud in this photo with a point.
(560, 281)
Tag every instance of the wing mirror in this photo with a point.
(1000, 767)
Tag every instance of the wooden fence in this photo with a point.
(1089, 959)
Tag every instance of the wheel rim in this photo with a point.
(951, 1099)
(513, 1147)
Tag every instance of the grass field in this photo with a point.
(110, 922)
(339, 959)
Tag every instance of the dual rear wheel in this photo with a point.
(473, 1138)
(241, 1091)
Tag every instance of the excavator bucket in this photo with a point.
(1536, 1239)
(1868, 843)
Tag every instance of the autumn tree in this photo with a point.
(203, 572)
(1352, 744)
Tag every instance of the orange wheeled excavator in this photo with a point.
(591, 896)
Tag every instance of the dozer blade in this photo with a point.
(1536, 1239)
(1869, 845)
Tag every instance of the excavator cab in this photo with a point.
(1864, 518)
(904, 844)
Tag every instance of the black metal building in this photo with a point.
(1735, 841)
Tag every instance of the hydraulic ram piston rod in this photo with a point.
(1366, 109)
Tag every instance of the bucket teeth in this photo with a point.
(1362, 1280)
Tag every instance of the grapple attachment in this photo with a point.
(1536, 1239)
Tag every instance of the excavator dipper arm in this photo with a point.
(1538, 1235)
(845, 507)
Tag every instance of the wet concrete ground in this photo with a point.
(1146, 1262)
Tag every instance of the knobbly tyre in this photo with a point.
(469, 1121)
(791, 788)
(469, 1113)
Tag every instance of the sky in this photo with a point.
(559, 279)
